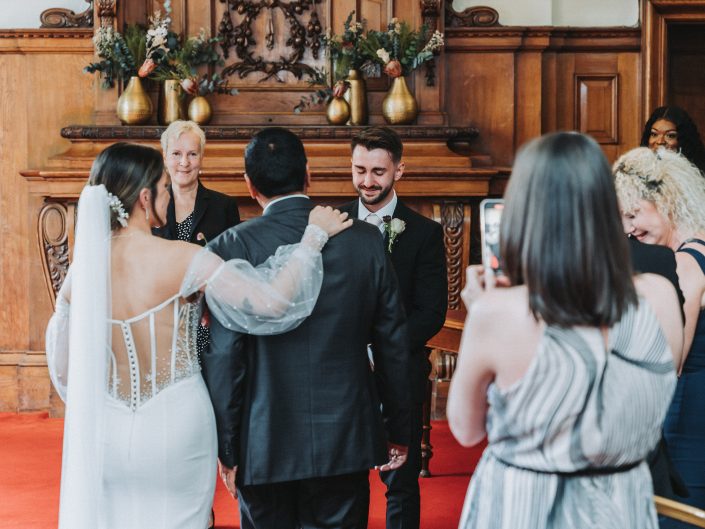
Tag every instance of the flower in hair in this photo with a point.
(118, 209)
(652, 184)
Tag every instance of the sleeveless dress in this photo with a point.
(567, 442)
(684, 428)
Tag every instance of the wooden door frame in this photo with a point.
(656, 17)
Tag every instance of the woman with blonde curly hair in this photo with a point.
(661, 196)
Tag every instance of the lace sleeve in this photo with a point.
(57, 342)
(271, 298)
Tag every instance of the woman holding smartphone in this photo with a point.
(568, 370)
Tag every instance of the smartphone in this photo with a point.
(490, 218)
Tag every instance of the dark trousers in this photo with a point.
(403, 498)
(334, 502)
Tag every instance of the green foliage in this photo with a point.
(120, 56)
(322, 93)
(401, 43)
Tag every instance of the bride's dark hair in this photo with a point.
(125, 169)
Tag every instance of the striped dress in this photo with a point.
(567, 442)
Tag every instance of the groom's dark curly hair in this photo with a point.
(275, 162)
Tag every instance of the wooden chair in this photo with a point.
(680, 511)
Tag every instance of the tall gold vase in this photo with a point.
(358, 98)
(134, 106)
(172, 102)
(399, 106)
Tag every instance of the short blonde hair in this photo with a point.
(179, 127)
(666, 179)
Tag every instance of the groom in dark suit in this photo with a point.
(298, 414)
(415, 246)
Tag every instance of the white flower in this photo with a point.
(393, 228)
(435, 42)
(384, 55)
(397, 226)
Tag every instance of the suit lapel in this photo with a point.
(400, 212)
(199, 208)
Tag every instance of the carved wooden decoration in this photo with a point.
(106, 12)
(431, 10)
(59, 17)
(299, 36)
(54, 229)
(455, 219)
(477, 16)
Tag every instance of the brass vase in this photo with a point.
(338, 111)
(134, 106)
(399, 106)
(172, 102)
(358, 98)
(199, 110)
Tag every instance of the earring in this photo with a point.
(146, 214)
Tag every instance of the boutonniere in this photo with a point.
(393, 228)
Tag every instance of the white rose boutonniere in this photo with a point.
(393, 228)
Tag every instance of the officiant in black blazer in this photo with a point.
(415, 246)
(299, 415)
(193, 208)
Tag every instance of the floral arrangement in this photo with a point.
(401, 50)
(167, 58)
(158, 53)
(120, 55)
(347, 51)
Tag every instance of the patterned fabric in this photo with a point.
(183, 233)
(566, 443)
(184, 228)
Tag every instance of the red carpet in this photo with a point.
(30, 468)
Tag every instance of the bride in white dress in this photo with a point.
(140, 442)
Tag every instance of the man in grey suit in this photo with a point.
(301, 416)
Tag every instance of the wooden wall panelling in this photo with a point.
(43, 88)
(529, 96)
(596, 106)
(429, 83)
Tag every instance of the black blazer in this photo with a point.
(213, 213)
(306, 403)
(419, 260)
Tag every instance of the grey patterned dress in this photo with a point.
(567, 442)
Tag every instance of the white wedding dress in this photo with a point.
(140, 442)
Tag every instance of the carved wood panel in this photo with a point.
(55, 228)
(455, 219)
(596, 106)
(278, 25)
(59, 17)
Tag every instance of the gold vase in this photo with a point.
(199, 110)
(399, 106)
(134, 106)
(358, 98)
(338, 111)
(172, 102)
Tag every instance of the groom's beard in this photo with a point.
(375, 199)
